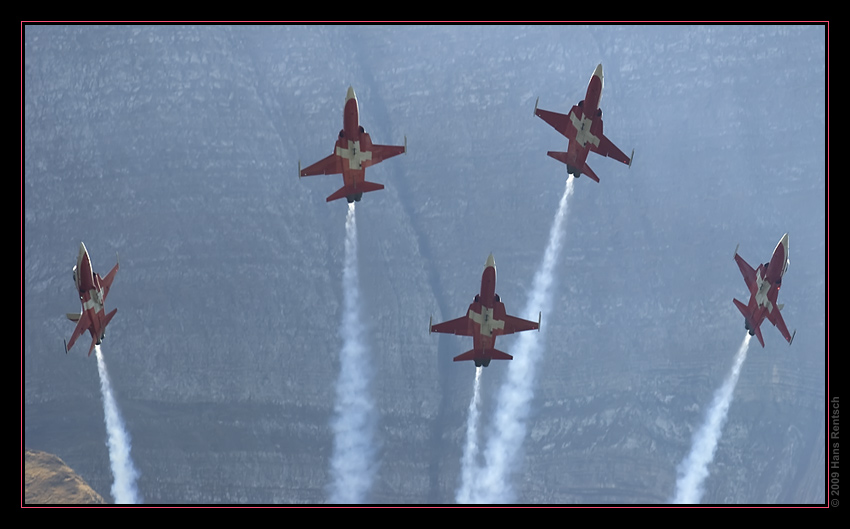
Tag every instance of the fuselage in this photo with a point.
(594, 92)
(351, 116)
(90, 291)
(778, 263)
(583, 119)
(769, 277)
(764, 290)
(490, 321)
(353, 144)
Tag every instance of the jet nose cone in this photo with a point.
(83, 250)
(491, 263)
(598, 71)
(784, 243)
(350, 94)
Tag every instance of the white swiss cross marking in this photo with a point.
(485, 321)
(94, 302)
(761, 295)
(354, 155)
(583, 134)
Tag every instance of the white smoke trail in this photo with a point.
(352, 461)
(124, 473)
(693, 469)
(470, 450)
(492, 485)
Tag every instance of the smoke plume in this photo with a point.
(470, 450)
(694, 468)
(124, 473)
(508, 431)
(353, 460)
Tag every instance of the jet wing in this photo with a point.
(458, 326)
(775, 317)
(106, 282)
(83, 325)
(380, 152)
(332, 164)
(560, 122)
(607, 148)
(747, 271)
(514, 324)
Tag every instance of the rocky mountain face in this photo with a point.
(177, 148)
(48, 480)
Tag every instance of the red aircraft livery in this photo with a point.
(764, 283)
(353, 153)
(484, 321)
(93, 290)
(583, 128)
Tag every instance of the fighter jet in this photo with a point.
(353, 153)
(484, 321)
(764, 283)
(583, 128)
(93, 290)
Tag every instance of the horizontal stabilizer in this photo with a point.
(365, 187)
(354, 190)
(493, 354)
(558, 155)
(469, 355)
(741, 307)
(589, 172)
(757, 332)
(109, 318)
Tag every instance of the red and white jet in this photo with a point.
(93, 290)
(583, 128)
(353, 153)
(764, 283)
(484, 321)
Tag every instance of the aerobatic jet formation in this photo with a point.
(353, 153)
(583, 128)
(92, 290)
(764, 283)
(484, 321)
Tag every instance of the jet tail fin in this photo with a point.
(354, 192)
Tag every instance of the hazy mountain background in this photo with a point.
(177, 147)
